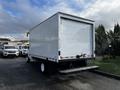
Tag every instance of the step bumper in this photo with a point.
(78, 69)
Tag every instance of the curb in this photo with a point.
(106, 74)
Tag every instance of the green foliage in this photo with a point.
(109, 65)
(116, 42)
(104, 39)
(101, 40)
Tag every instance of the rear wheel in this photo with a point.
(48, 68)
(42, 67)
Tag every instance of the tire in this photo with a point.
(43, 67)
(4, 55)
(47, 68)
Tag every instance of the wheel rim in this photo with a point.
(42, 67)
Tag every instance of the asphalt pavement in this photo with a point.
(16, 74)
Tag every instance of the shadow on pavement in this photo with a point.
(16, 74)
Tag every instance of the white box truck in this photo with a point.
(63, 42)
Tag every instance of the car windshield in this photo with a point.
(10, 47)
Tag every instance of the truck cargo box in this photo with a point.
(61, 38)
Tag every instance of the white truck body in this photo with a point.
(62, 42)
(63, 37)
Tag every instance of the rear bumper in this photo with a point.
(79, 59)
(78, 69)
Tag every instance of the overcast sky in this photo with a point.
(18, 16)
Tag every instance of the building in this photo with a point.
(4, 41)
(15, 42)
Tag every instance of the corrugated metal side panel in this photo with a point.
(44, 39)
(76, 37)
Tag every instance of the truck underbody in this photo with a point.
(64, 66)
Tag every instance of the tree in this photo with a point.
(101, 40)
(105, 39)
(116, 41)
(111, 38)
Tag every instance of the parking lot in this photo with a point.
(16, 74)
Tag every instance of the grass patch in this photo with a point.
(108, 65)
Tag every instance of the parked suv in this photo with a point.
(23, 49)
(10, 50)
